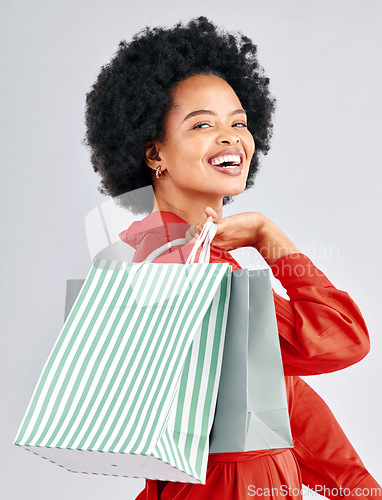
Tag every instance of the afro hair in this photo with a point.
(126, 106)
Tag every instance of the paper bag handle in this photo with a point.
(205, 238)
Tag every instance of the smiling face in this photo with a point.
(207, 148)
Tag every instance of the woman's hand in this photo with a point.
(244, 230)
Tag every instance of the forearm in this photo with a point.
(321, 328)
(271, 242)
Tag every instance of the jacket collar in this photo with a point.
(162, 227)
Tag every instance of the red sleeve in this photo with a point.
(327, 461)
(321, 328)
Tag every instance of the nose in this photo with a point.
(228, 136)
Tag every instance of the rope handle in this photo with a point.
(204, 238)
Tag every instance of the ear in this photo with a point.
(151, 155)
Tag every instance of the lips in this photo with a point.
(228, 153)
(229, 161)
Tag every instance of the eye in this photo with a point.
(240, 124)
(201, 125)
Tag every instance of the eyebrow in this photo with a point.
(209, 112)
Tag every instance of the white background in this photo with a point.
(321, 184)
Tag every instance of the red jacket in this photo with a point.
(321, 330)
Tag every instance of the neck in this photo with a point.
(190, 210)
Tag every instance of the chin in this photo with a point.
(234, 191)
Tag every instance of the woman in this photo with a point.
(188, 111)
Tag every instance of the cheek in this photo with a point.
(250, 141)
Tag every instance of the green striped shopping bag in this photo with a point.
(130, 386)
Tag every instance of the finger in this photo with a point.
(210, 212)
(200, 226)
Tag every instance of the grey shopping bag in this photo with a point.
(73, 288)
(251, 411)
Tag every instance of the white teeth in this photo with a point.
(221, 159)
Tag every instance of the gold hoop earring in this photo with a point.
(158, 172)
